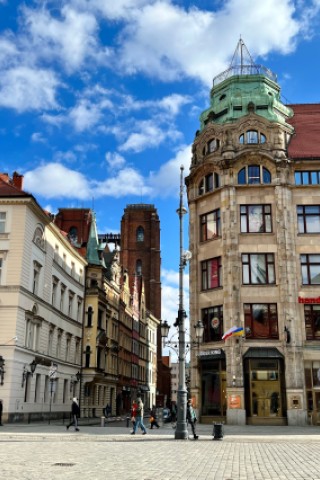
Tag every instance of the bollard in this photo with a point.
(128, 419)
(217, 431)
(102, 421)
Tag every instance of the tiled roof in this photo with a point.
(306, 122)
(9, 190)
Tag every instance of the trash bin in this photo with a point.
(102, 421)
(128, 422)
(217, 431)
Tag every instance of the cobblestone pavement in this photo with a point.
(34, 452)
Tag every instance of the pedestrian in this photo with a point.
(192, 418)
(153, 419)
(75, 414)
(107, 410)
(1, 409)
(139, 418)
(133, 414)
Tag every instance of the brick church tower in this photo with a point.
(140, 250)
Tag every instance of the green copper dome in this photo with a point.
(245, 87)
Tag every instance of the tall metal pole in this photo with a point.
(181, 432)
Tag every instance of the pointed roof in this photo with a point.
(304, 144)
(93, 244)
(7, 189)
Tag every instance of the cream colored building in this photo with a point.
(254, 205)
(41, 309)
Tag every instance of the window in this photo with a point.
(1, 268)
(68, 348)
(253, 175)
(90, 315)
(59, 340)
(212, 319)
(36, 275)
(312, 321)
(138, 267)
(73, 235)
(258, 268)
(50, 341)
(252, 137)
(210, 225)
(32, 334)
(209, 183)
(79, 309)
(308, 218)
(213, 145)
(55, 282)
(255, 219)
(140, 234)
(100, 318)
(87, 358)
(307, 177)
(70, 304)
(2, 222)
(62, 295)
(38, 237)
(310, 268)
(211, 273)
(261, 320)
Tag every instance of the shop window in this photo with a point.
(311, 177)
(254, 175)
(310, 269)
(213, 385)
(255, 219)
(258, 268)
(261, 320)
(211, 271)
(308, 218)
(212, 319)
(140, 234)
(210, 225)
(312, 321)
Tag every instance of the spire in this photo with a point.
(243, 64)
(93, 243)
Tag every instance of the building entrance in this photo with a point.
(265, 396)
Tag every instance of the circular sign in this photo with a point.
(215, 322)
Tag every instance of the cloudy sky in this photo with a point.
(100, 99)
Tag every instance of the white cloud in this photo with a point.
(127, 181)
(148, 135)
(37, 137)
(53, 180)
(114, 160)
(85, 115)
(71, 39)
(24, 88)
(166, 41)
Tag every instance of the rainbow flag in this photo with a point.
(233, 332)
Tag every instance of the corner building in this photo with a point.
(254, 206)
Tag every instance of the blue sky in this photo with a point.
(100, 99)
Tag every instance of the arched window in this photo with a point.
(209, 183)
(138, 267)
(254, 174)
(88, 357)
(90, 315)
(38, 237)
(252, 137)
(140, 234)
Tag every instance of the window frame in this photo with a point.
(264, 214)
(214, 264)
(264, 178)
(3, 222)
(207, 315)
(308, 175)
(306, 267)
(303, 216)
(140, 234)
(310, 320)
(216, 221)
(272, 319)
(269, 264)
(209, 183)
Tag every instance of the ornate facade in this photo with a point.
(253, 194)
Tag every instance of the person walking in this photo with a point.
(1, 409)
(153, 419)
(133, 414)
(192, 418)
(75, 414)
(139, 418)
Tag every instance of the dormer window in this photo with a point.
(254, 174)
(209, 183)
(252, 137)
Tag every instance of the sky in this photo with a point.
(100, 99)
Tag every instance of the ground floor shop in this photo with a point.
(262, 387)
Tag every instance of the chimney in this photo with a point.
(4, 177)
(17, 180)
